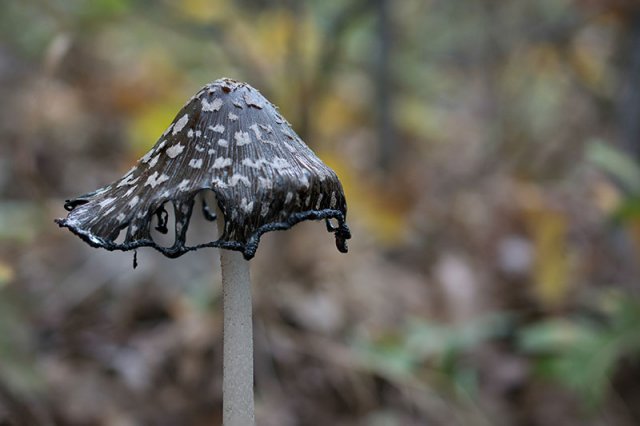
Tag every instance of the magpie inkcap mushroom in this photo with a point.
(228, 139)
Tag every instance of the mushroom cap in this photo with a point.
(228, 139)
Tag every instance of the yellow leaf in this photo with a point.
(274, 30)
(7, 274)
(424, 120)
(548, 229)
(589, 57)
(147, 126)
(204, 10)
(382, 219)
(339, 112)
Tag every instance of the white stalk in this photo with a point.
(237, 362)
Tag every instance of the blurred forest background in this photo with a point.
(490, 154)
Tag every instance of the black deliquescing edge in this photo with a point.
(248, 250)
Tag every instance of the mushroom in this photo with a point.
(232, 141)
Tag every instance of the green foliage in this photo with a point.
(15, 15)
(629, 209)
(19, 221)
(625, 171)
(17, 366)
(423, 347)
(617, 164)
(583, 354)
(103, 9)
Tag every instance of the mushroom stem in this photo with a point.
(237, 362)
